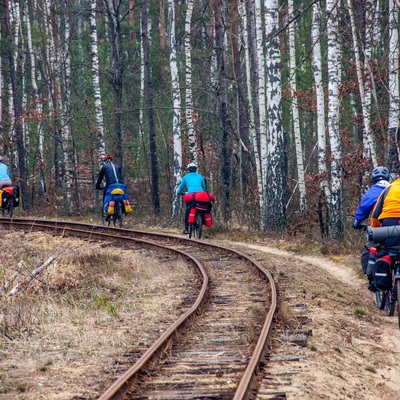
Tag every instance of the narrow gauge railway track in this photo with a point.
(220, 352)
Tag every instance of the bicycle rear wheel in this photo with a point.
(397, 285)
(118, 216)
(390, 302)
(198, 226)
(380, 299)
(10, 208)
(190, 230)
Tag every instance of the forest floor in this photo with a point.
(59, 340)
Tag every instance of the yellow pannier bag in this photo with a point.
(118, 191)
(111, 206)
(128, 207)
(1, 198)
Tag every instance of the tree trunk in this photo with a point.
(188, 72)
(150, 110)
(394, 98)
(360, 77)
(335, 201)
(17, 113)
(320, 103)
(251, 112)
(295, 109)
(98, 108)
(226, 123)
(114, 26)
(176, 101)
(276, 179)
(261, 104)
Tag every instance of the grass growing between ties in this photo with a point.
(83, 313)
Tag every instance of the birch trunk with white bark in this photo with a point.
(335, 201)
(295, 110)
(252, 124)
(176, 102)
(394, 98)
(261, 103)
(360, 77)
(98, 107)
(188, 76)
(276, 179)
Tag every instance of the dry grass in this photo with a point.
(86, 310)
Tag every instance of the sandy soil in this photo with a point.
(354, 350)
(70, 331)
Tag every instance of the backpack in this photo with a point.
(383, 273)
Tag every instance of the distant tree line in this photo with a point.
(285, 105)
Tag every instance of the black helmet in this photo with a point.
(380, 173)
(192, 167)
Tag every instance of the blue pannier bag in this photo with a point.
(115, 192)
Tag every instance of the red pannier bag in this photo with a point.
(192, 216)
(207, 220)
(187, 198)
(204, 197)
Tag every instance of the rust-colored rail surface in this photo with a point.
(216, 348)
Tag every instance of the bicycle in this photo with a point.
(8, 208)
(115, 205)
(10, 199)
(380, 295)
(196, 228)
(116, 218)
(389, 298)
(200, 212)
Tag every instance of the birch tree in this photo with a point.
(320, 105)
(251, 113)
(295, 109)
(276, 179)
(188, 76)
(261, 103)
(223, 112)
(176, 106)
(394, 98)
(360, 77)
(17, 111)
(37, 100)
(335, 201)
(98, 107)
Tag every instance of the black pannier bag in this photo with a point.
(5, 198)
(382, 273)
(372, 256)
(16, 196)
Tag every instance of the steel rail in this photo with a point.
(245, 385)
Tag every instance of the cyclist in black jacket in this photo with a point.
(111, 172)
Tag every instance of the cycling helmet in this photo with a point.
(192, 167)
(380, 173)
(107, 157)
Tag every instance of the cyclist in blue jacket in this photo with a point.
(380, 180)
(4, 175)
(193, 182)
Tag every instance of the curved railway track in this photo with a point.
(217, 347)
